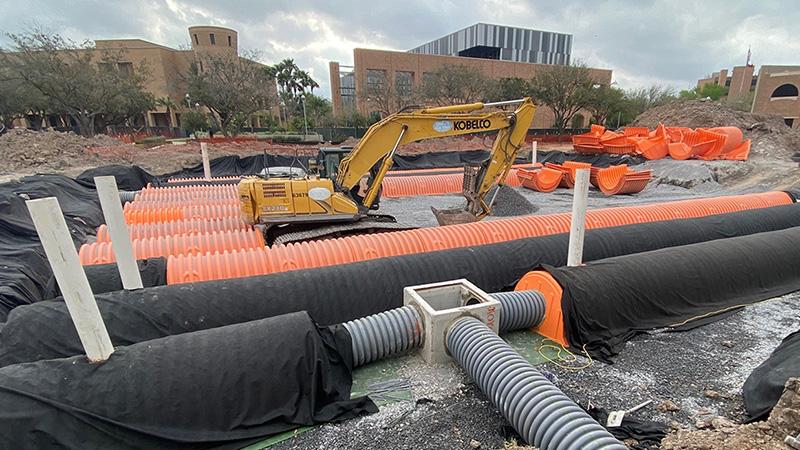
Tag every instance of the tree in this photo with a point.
(169, 105)
(508, 89)
(453, 85)
(604, 102)
(77, 79)
(713, 91)
(386, 98)
(319, 111)
(292, 84)
(193, 121)
(564, 89)
(18, 99)
(232, 88)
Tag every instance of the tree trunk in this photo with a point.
(85, 124)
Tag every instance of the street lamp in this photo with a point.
(188, 101)
(305, 120)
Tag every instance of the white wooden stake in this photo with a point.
(206, 163)
(63, 258)
(578, 223)
(533, 152)
(118, 231)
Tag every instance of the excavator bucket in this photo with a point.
(461, 215)
(453, 216)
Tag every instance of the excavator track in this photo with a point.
(299, 233)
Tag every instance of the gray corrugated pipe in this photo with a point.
(538, 410)
(127, 196)
(398, 330)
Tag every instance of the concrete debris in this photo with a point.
(668, 406)
(721, 433)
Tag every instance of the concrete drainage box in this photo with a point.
(440, 304)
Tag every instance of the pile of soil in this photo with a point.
(23, 150)
(771, 137)
(724, 434)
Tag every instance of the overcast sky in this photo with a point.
(643, 42)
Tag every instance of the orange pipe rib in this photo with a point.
(182, 244)
(190, 268)
(158, 229)
(415, 185)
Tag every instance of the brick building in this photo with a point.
(496, 51)
(165, 66)
(774, 89)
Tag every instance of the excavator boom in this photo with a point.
(382, 140)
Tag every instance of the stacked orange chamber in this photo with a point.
(676, 142)
(166, 221)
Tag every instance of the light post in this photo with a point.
(188, 101)
(305, 120)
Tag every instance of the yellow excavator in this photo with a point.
(291, 207)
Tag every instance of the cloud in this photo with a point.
(643, 42)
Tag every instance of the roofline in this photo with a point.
(468, 57)
(490, 24)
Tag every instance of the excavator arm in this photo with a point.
(381, 141)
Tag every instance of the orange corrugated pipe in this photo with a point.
(182, 244)
(194, 226)
(173, 213)
(414, 185)
(279, 258)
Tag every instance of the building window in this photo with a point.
(789, 121)
(201, 65)
(105, 67)
(196, 41)
(403, 82)
(212, 38)
(784, 90)
(125, 68)
(375, 78)
(230, 42)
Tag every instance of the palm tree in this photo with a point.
(167, 103)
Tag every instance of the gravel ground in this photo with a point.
(701, 371)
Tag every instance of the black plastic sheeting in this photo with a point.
(26, 276)
(606, 303)
(340, 293)
(105, 277)
(647, 434)
(600, 160)
(764, 386)
(228, 386)
(129, 178)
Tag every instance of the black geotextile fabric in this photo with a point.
(105, 277)
(25, 275)
(764, 386)
(441, 160)
(129, 178)
(608, 302)
(647, 434)
(600, 160)
(340, 293)
(224, 387)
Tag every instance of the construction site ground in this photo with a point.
(700, 371)
(692, 376)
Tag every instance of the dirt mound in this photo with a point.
(771, 138)
(25, 150)
(768, 435)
